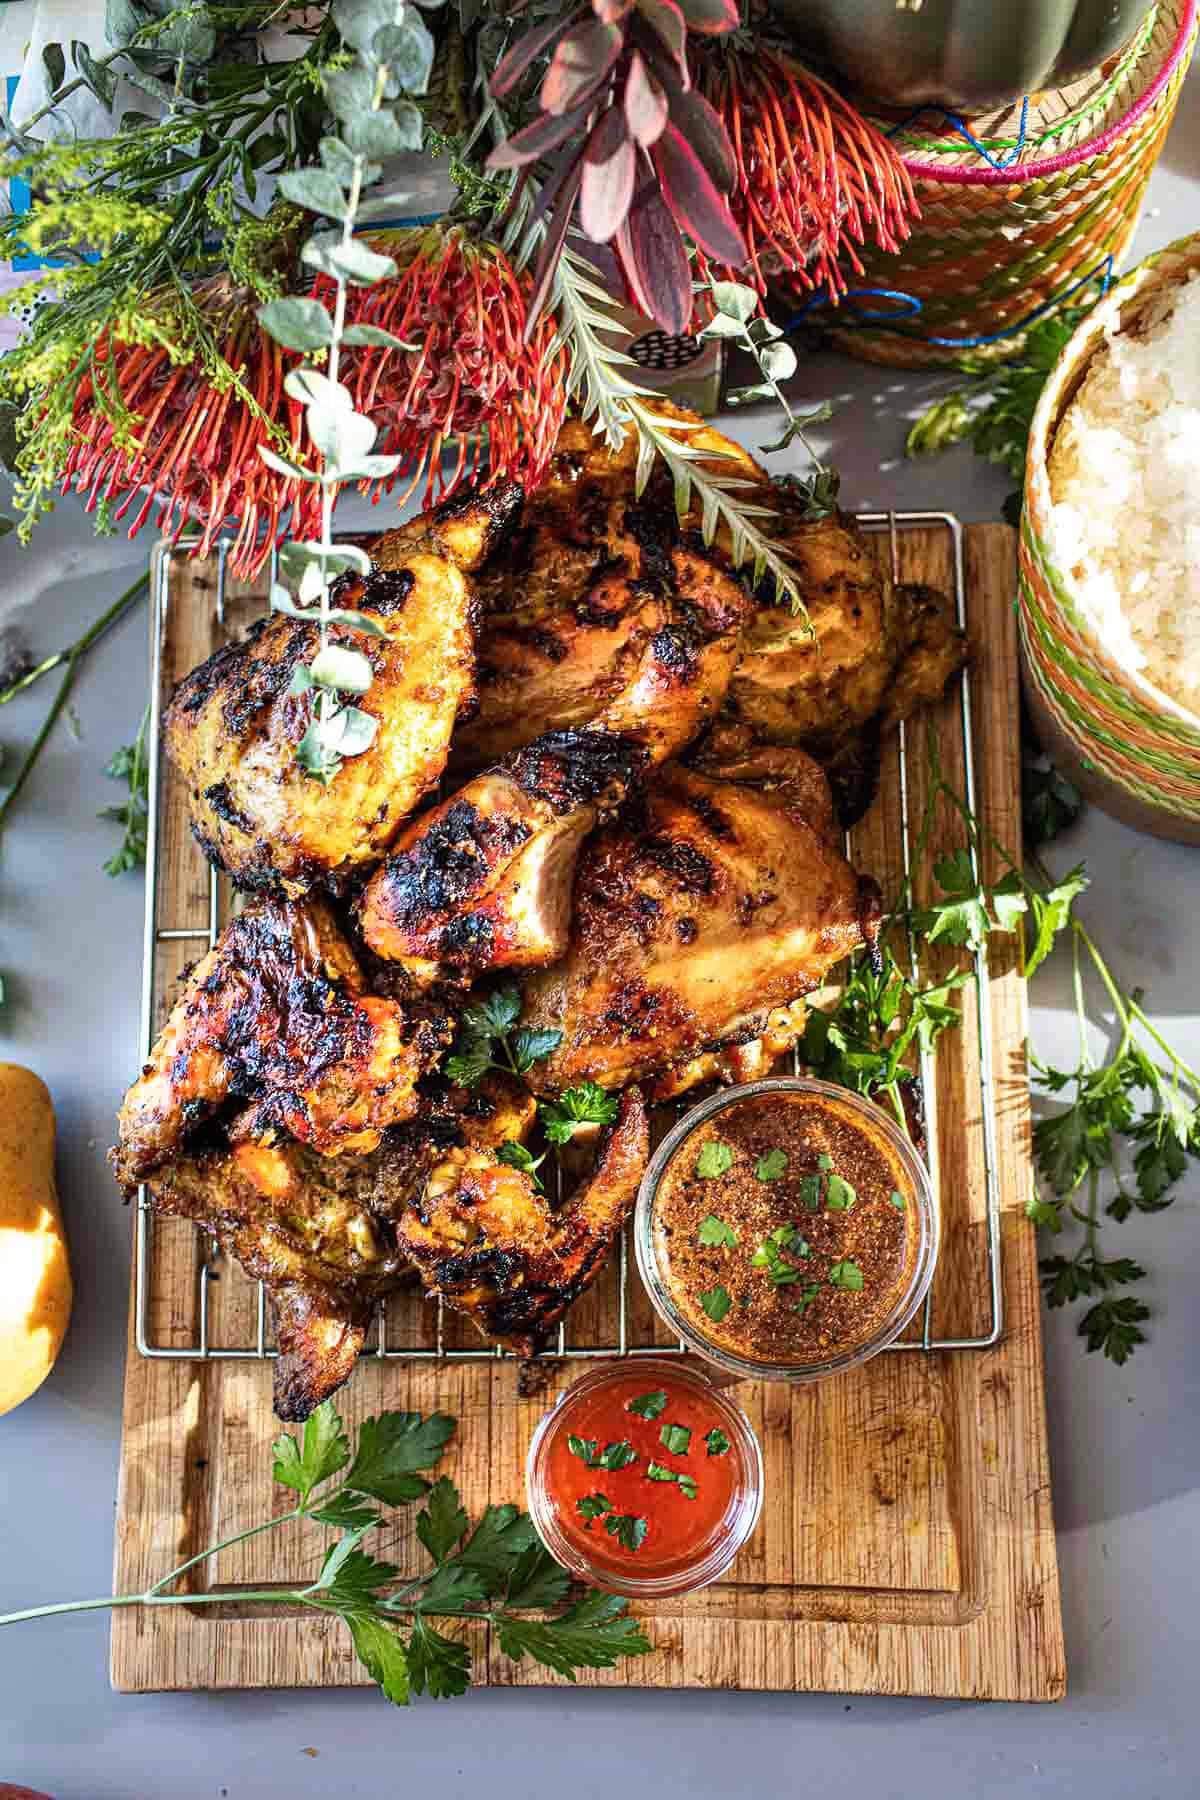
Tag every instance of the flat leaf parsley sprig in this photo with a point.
(495, 1571)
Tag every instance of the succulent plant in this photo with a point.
(625, 144)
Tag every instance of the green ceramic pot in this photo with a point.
(969, 55)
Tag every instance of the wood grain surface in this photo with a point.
(907, 1542)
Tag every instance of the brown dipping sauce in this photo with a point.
(820, 1210)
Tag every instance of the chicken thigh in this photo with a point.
(702, 912)
(233, 724)
(275, 1019)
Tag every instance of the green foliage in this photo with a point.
(488, 1039)
(994, 411)
(499, 1573)
(131, 765)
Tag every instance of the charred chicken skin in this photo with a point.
(233, 724)
(485, 1240)
(276, 1019)
(332, 1236)
(701, 913)
(484, 880)
(565, 621)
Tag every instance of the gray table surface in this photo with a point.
(1125, 1444)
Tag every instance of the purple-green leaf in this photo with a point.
(655, 263)
(581, 62)
(609, 169)
(698, 207)
(645, 102)
(525, 51)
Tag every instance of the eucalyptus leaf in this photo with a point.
(189, 33)
(385, 133)
(350, 92)
(301, 680)
(734, 300)
(341, 435)
(346, 671)
(100, 82)
(344, 615)
(122, 22)
(357, 21)
(360, 265)
(311, 387)
(407, 49)
(55, 65)
(296, 323)
(343, 164)
(334, 559)
(358, 732)
(370, 468)
(777, 361)
(283, 467)
(375, 335)
(315, 189)
(724, 325)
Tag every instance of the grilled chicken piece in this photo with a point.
(233, 724)
(275, 1017)
(486, 1241)
(700, 911)
(566, 619)
(320, 1231)
(484, 880)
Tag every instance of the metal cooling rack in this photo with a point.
(203, 1348)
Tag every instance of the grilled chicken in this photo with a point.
(567, 618)
(332, 1236)
(484, 881)
(275, 1018)
(233, 724)
(486, 1240)
(701, 913)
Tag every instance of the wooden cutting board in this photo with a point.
(906, 1544)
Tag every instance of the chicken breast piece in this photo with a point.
(703, 909)
(234, 724)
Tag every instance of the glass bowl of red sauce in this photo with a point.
(786, 1230)
(644, 1478)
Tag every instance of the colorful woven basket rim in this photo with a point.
(984, 175)
(1127, 691)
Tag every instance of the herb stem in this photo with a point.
(227, 1544)
(73, 658)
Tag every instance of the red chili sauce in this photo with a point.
(621, 1516)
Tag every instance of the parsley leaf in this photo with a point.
(716, 1441)
(391, 1447)
(131, 765)
(518, 1157)
(1050, 804)
(587, 1104)
(675, 1438)
(442, 1521)
(437, 1665)
(687, 1486)
(846, 1275)
(716, 1303)
(496, 1546)
(593, 1506)
(771, 1166)
(595, 1634)
(714, 1231)
(1114, 1326)
(839, 1195)
(714, 1159)
(320, 1452)
(487, 1040)
(648, 1406)
(772, 1253)
(614, 1456)
(381, 1651)
(630, 1532)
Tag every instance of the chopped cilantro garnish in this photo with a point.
(716, 1303)
(675, 1438)
(771, 1166)
(846, 1275)
(714, 1159)
(714, 1231)
(648, 1406)
(718, 1444)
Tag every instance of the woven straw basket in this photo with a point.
(994, 244)
(1130, 747)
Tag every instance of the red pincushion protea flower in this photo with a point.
(813, 176)
(470, 379)
(195, 441)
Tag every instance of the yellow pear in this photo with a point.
(35, 1272)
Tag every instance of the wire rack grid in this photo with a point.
(203, 1348)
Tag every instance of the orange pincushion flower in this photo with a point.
(813, 175)
(196, 444)
(472, 378)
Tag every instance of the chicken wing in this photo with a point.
(484, 880)
(275, 1018)
(701, 912)
(233, 724)
(486, 1241)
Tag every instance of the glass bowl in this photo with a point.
(922, 1214)
(588, 1554)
